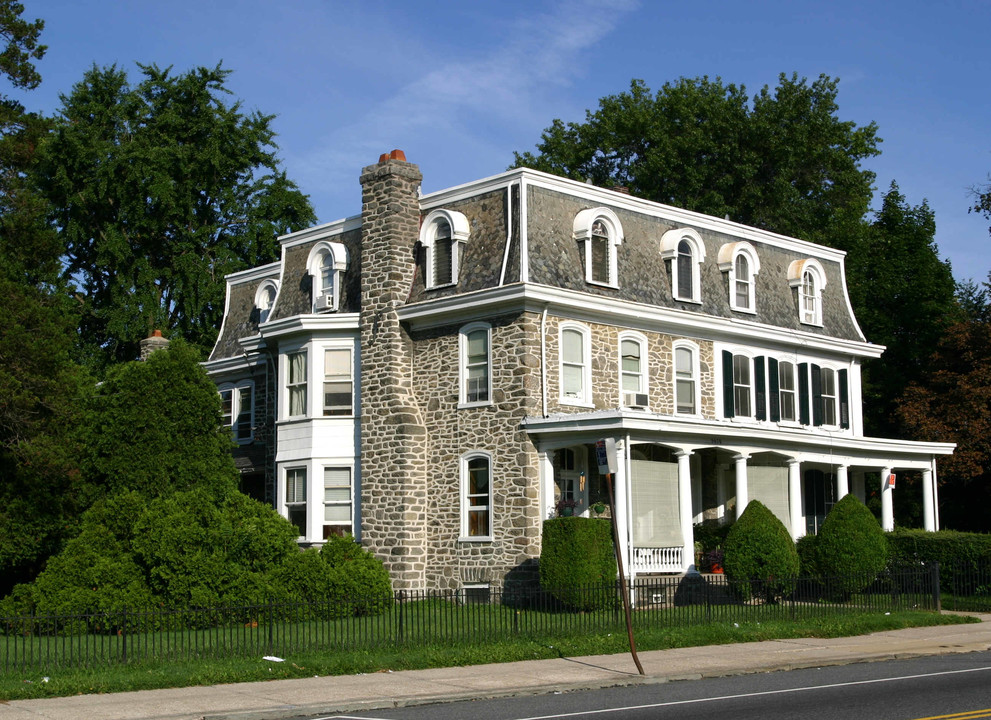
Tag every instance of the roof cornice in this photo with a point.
(594, 308)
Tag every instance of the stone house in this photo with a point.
(432, 376)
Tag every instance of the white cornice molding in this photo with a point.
(239, 363)
(713, 433)
(594, 308)
(296, 324)
(319, 232)
(261, 272)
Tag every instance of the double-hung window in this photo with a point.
(740, 262)
(742, 386)
(685, 250)
(296, 498)
(632, 370)
(237, 410)
(338, 382)
(337, 501)
(828, 396)
(599, 234)
(787, 392)
(476, 364)
(575, 376)
(296, 382)
(685, 380)
(476, 496)
(443, 235)
(325, 264)
(809, 279)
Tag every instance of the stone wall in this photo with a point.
(605, 370)
(393, 438)
(496, 429)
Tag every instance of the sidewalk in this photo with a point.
(329, 695)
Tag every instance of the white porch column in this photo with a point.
(928, 501)
(887, 502)
(685, 503)
(742, 494)
(795, 498)
(842, 482)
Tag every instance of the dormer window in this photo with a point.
(809, 279)
(326, 263)
(739, 260)
(685, 250)
(442, 236)
(265, 299)
(599, 233)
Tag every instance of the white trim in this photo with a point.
(643, 374)
(320, 232)
(599, 309)
(263, 287)
(463, 333)
(582, 232)
(797, 272)
(727, 259)
(460, 231)
(585, 399)
(604, 196)
(297, 324)
(696, 375)
(670, 245)
(256, 273)
(463, 497)
(322, 300)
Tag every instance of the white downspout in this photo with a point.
(543, 363)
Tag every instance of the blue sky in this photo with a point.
(460, 85)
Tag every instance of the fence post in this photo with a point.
(271, 622)
(400, 596)
(934, 579)
(123, 636)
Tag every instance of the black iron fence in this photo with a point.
(134, 635)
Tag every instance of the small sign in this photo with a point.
(891, 481)
(605, 455)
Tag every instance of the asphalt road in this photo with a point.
(953, 687)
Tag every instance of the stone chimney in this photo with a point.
(393, 436)
(152, 343)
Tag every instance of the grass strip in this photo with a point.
(185, 673)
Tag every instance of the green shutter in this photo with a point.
(803, 393)
(772, 376)
(816, 395)
(728, 384)
(760, 389)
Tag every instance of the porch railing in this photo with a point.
(657, 560)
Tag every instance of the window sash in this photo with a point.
(476, 370)
(338, 388)
(572, 365)
(685, 262)
(296, 383)
(226, 407)
(600, 268)
(337, 497)
(786, 391)
(828, 380)
(443, 259)
(245, 406)
(684, 363)
(741, 385)
(478, 497)
(631, 366)
(295, 485)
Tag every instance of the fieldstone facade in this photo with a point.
(405, 438)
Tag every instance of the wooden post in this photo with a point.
(625, 591)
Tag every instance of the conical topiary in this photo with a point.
(760, 556)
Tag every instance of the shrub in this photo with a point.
(761, 559)
(806, 547)
(577, 561)
(358, 579)
(851, 548)
(958, 554)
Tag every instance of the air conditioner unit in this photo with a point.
(635, 400)
(325, 302)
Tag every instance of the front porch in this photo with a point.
(665, 486)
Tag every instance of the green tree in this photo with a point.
(904, 296)
(154, 427)
(760, 556)
(783, 161)
(160, 189)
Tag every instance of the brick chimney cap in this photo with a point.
(156, 333)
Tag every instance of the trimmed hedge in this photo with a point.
(851, 548)
(958, 553)
(760, 556)
(577, 560)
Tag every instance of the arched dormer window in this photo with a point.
(739, 260)
(442, 236)
(686, 251)
(326, 262)
(265, 299)
(809, 278)
(600, 233)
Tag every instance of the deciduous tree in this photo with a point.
(159, 189)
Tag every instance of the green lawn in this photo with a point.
(591, 633)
